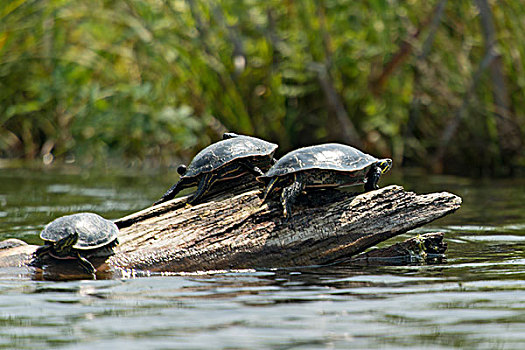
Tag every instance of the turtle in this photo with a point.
(321, 166)
(78, 236)
(233, 156)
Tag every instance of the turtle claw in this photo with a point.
(258, 171)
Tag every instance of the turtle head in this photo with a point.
(181, 169)
(63, 246)
(384, 165)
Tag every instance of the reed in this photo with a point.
(427, 83)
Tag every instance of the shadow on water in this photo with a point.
(475, 299)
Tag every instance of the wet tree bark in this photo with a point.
(233, 231)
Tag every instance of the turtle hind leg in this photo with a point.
(372, 178)
(290, 194)
(252, 169)
(86, 264)
(203, 187)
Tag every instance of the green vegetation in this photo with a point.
(429, 83)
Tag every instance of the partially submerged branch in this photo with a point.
(428, 247)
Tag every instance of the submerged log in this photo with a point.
(233, 230)
(425, 248)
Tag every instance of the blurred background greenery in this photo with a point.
(430, 83)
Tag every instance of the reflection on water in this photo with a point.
(476, 299)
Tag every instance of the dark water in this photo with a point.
(474, 300)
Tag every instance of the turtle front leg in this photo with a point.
(43, 250)
(272, 185)
(290, 194)
(204, 186)
(174, 190)
(372, 178)
(85, 264)
(40, 253)
(170, 193)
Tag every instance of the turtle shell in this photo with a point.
(93, 230)
(330, 156)
(226, 151)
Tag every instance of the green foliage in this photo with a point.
(162, 78)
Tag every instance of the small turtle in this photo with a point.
(322, 166)
(229, 158)
(79, 236)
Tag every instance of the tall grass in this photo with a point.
(159, 79)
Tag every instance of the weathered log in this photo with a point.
(237, 232)
(233, 230)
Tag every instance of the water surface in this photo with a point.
(473, 300)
